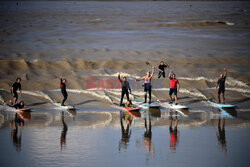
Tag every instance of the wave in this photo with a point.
(229, 81)
(38, 94)
(191, 24)
(123, 74)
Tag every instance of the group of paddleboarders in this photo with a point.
(174, 85)
(126, 90)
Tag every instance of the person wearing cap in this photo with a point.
(174, 87)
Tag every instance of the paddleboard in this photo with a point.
(221, 105)
(165, 103)
(65, 107)
(181, 109)
(140, 104)
(23, 109)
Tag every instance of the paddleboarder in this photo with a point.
(162, 67)
(63, 90)
(221, 84)
(147, 84)
(174, 87)
(125, 88)
(15, 86)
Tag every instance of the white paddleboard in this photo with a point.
(140, 104)
(165, 103)
(64, 107)
(221, 105)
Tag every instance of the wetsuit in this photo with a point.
(18, 106)
(15, 87)
(125, 88)
(162, 67)
(147, 88)
(221, 83)
(64, 92)
(173, 86)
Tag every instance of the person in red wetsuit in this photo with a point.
(174, 87)
(63, 90)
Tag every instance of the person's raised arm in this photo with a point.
(153, 71)
(169, 75)
(119, 77)
(61, 80)
(225, 72)
(140, 79)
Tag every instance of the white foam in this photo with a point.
(97, 93)
(123, 74)
(229, 81)
(38, 93)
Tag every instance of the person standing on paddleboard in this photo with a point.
(125, 88)
(147, 84)
(221, 85)
(174, 87)
(15, 86)
(162, 67)
(63, 90)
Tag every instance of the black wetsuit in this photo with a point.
(147, 88)
(162, 67)
(125, 88)
(221, 83)
(18, 106)
(64, 92)
(15, 87)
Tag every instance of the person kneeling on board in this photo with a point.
(174, 87)
(129, 104)
(221, 85)
(63, 90)
(125, 88)
(19, 105)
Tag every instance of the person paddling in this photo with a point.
(221, 85)
(162, 67)
(63, 90)
(174, 87)
(15, 86)
(125, 88)
(147, 84)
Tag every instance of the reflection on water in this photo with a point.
(148, 134)
(17, 123)
(221, 136)
(63, 133)
(155, 140)
(126, 131)
(16, 133)
(174, 132)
